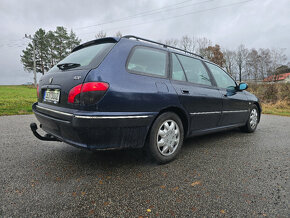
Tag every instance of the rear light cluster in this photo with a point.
(87, 93)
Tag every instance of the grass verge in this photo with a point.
(16, 100)
(276, 109)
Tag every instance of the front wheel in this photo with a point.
(166, 138)
(252, 121)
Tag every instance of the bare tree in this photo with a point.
(241, 55)
(230, 65)
(101, 34)
(278, 59)
(118, 34)
(186, 43)
(202, 44)
(265, 63)
(252, 64)
(172, 42)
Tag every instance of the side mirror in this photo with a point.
(243, 86)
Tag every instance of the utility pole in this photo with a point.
(34, 59)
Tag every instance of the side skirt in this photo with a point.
(213, 130)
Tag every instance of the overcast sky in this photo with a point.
(254, 23)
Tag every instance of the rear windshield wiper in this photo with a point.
(66, 66)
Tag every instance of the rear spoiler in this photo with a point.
(97, 41)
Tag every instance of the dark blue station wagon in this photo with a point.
(131, 92)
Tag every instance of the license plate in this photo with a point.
(51, 95)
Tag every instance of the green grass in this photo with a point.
(16, 100)
(276, 109)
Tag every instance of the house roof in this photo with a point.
(278, 77)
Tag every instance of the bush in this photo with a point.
(272, 93)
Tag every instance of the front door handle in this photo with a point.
(183, 91)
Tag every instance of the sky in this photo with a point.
(229, 23)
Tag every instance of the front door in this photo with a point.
(235, 104)
(196, 93)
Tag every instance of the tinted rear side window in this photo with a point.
(194, 70)
(148, 61)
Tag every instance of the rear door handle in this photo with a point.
(184, 91)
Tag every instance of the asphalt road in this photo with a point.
(223, 174)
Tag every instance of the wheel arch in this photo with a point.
(259, 110)
(180, 112)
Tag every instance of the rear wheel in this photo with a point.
(252, 122)
(166, 137)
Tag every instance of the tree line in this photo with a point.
(242, 63)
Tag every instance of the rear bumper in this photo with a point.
(95, 130)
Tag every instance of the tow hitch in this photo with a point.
(46, 137)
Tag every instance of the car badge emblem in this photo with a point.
(50, 80)
(77, 77)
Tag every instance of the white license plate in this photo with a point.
(51, 95)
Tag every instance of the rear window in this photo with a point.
(85, 56)
(148, 61)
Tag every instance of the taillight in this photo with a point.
(87, 93)
(37, 91)
(74, 94)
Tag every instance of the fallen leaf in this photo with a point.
(193, 209)
(175, 188)
(162, 186)
(148, 210)
(106, 203)
(178, 200)
(222, 211)
(195, 183)
(83, 193)
(264, 214)
(74, 194)
(91, 212)
(100, 182)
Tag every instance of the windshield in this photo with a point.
(85, 56)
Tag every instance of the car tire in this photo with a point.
(252, 121)
(165, 138)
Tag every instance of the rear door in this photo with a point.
(196, 91)
(235, 103)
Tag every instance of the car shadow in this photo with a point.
(72, 163)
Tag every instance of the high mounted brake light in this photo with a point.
(87, 93)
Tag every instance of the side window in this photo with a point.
(148, 61)
(177, 71)
(194, 70)
(222, 79)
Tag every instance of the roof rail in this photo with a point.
(159, 43)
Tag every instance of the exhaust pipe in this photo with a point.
(46, 137)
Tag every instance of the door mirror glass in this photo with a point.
(243, 86)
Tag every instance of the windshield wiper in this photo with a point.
(66, 66)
